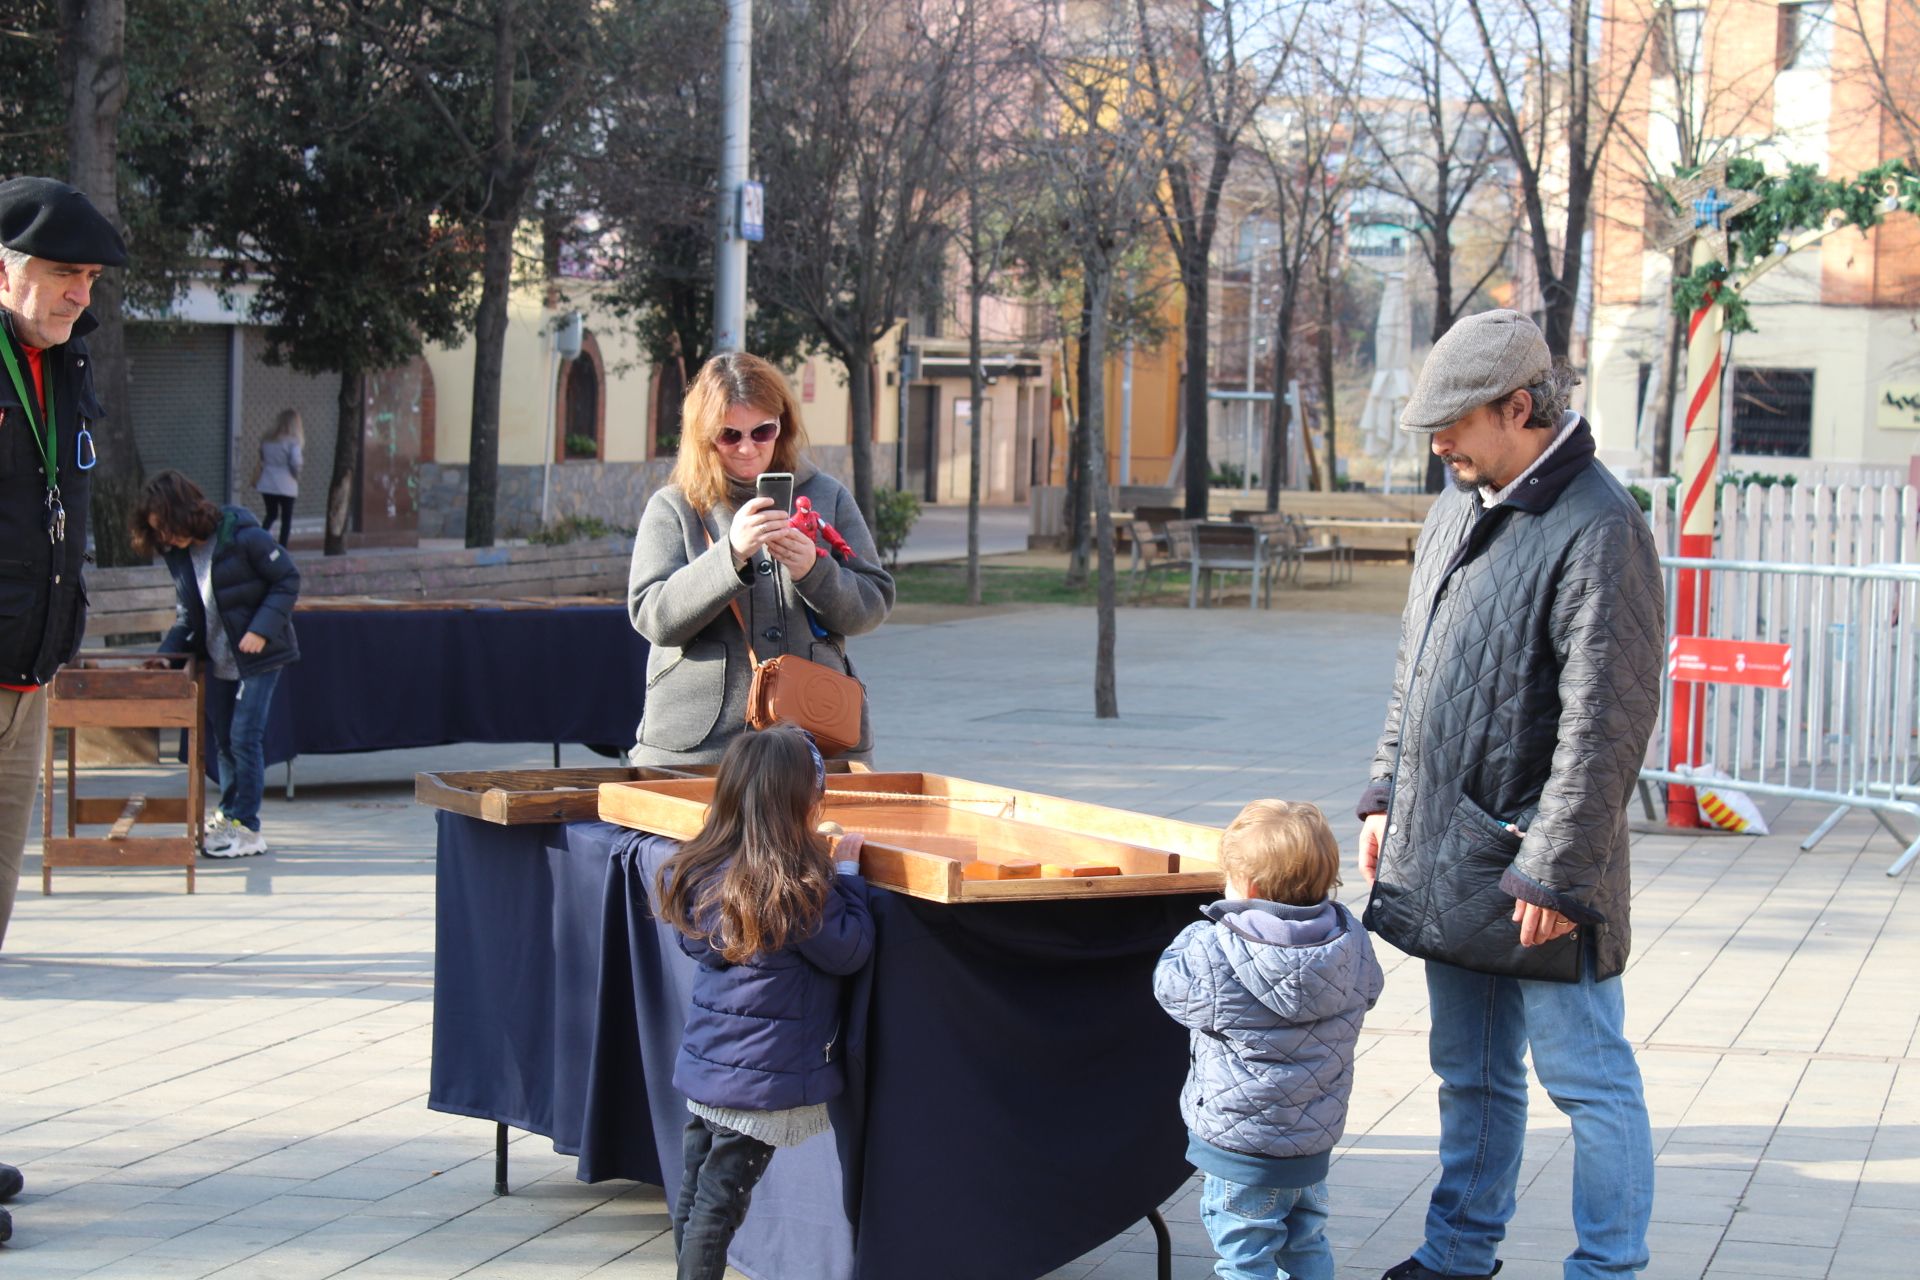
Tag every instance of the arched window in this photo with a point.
(581, 410)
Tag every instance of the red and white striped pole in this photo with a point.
(1699, 466)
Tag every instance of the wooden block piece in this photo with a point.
(979, 869)
(1095, 869)
(136, 804)
(1019, 870)
(1055, 870)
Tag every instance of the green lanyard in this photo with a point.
(49, 442)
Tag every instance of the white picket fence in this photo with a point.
(1848, 525)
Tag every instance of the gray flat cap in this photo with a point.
(1476, 362)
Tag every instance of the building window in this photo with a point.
(1805, 41)
(580, 411)
(1773, 412)
(1679, 46)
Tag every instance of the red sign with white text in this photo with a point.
(1709, 661)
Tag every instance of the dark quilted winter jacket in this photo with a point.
(1526, 687)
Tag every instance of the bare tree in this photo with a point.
(1555, 122)
(995, 201)
(856, 160)
(1210, 66)
(1887, 37)
(1100, 156)
(1302, 145)
(1435, 153)
(96, 37)
(1710, 112)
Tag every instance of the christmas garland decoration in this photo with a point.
(1798, 201)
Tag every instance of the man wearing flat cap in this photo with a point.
(1495, 824)
(53, 246)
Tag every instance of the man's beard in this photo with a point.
(1465, 481)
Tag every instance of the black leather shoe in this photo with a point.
(1413, 1270)
(10, 1182)
(6, 1226)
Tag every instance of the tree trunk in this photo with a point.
(1442, 321)
(858, 360)
(96, 36)
(496, 280)
(1674, 354)
(489, 355)
(977, 390)
(347, 439)
(1079, 494)
(1193, 391)
(1279, 413)
(1099, 285)
(1326, 363)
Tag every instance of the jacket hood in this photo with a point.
(1300, 962)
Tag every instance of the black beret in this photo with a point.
(51, 220)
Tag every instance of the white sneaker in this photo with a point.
(217, 833)
(243, 844)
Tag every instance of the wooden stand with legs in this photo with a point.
(113, 689)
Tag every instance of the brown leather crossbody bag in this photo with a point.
(794, 690)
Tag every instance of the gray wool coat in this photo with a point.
(1274, 996)
(699, 671)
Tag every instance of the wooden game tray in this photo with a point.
(951, 840)
(512, 797)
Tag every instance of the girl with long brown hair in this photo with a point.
(776, 927)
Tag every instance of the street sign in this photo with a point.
(1704, 660)
(753, 211)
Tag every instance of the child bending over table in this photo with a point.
(234, 588)
(776, 925)
(1273, 984)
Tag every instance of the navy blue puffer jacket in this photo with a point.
(764, 1035)
(254, 584)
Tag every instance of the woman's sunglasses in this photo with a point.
(765, 433)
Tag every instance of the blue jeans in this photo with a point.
(1482, 1028)
(1262, 1233)
(238, 709)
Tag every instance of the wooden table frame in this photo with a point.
(111, 688)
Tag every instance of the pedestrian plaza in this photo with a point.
(234, 1083)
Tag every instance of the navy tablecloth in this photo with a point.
(1013, 1087)
(380, 679)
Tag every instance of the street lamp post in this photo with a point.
(730, 244)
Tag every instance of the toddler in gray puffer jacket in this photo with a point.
(1273, 984)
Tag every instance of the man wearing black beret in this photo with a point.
(53, 246)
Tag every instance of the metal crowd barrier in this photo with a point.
(1804, 688)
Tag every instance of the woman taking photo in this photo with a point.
(707, 542)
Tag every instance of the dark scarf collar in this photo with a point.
(1544, 487)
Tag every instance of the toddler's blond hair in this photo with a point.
(1283, 851)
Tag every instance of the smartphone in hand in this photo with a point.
(777, 485)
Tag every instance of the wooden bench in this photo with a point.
(138, 601)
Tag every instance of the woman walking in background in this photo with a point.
(277, 476)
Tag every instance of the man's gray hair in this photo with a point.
(14, 260)
(1551, 396)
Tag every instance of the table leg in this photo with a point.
(1162, 1246)
(500, 1159)
(290, 778)
(556, 755)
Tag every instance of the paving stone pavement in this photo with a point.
(234, 1083)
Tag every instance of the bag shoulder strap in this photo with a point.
(733, 604)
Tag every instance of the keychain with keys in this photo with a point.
(56, 517)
